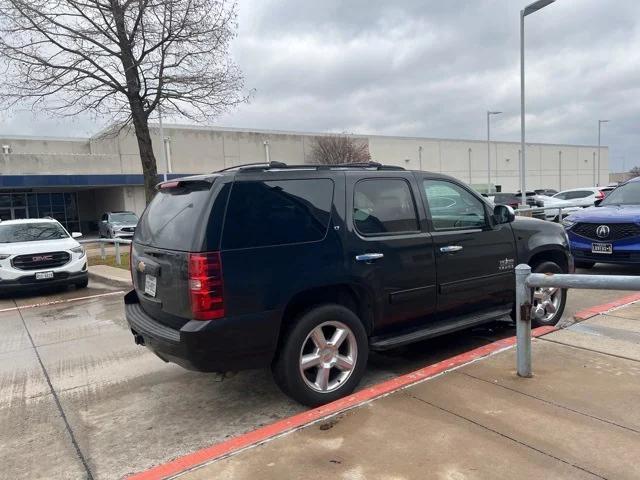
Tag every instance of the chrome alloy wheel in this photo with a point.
(546, 302)
(328, 356)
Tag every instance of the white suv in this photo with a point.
(40, 252)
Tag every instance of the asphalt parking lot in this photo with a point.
(79, 400)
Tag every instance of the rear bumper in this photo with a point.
(29, 281)
(228, 344)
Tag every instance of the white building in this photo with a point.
(76, 180)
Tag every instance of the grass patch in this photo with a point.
(110, 260)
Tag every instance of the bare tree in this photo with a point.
(336, 149)
(634, 172)
(122, 59)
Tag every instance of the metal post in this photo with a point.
(163, 152)
(267, 153)
(469, 165)
(118, 260)
(103, 255)
(420, 156)
(522, 154)
(594, 169)
(523, 321)
(560, 170)
(488, 152)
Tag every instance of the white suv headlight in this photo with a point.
(79, 250)
(4, 257)
(568, 223)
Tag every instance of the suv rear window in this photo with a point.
(278, 212)
(174, 216)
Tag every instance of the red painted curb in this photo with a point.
(255, 437)
(598, 309)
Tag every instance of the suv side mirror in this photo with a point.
(503, 214)
(598, 202)
(76, 234)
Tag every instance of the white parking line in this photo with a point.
(66, 300)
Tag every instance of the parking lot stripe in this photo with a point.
(296, 422)
(56, 400)
(65, 300)
(598, 309)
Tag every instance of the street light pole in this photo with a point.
(489, 113)
(529, 9)
(163, 150)
(600, 122)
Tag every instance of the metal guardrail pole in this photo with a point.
(103, 254)
(117, 244)
(588, 282)
(523, 321)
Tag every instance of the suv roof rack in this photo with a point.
(252, 167)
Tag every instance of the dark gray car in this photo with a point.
(118, 224)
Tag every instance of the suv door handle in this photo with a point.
(369, 257)
(451, 249)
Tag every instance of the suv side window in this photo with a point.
(453, 207)
(278, 212)
(384, 207)
(104, 217)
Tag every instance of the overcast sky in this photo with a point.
(431, 68)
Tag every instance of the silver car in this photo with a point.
(117, 224)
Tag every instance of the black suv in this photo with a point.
(307, 268)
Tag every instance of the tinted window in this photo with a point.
(384, 206)
(581, 194)
(627, 194)
(31, 232)
(277, 212)
(452, 206)
(174, 216)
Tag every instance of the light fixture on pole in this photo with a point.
(528, 10)
(600, 122)
(489, 113)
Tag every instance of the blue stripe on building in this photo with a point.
(118, 180)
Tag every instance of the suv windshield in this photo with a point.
(627, 194)
(123, 217)
(31, 232)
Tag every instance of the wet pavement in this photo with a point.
(79, 400)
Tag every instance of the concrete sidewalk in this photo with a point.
(579, 417)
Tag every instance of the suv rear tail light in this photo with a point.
(205, 286)
(600, 195)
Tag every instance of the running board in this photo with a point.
(441, 327)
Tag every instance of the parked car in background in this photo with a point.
(608, 232)
(39, 253)
(547, 192)
(305, 269)
(117, 224)
(581, 197)
(503, 198)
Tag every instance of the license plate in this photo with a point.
(605, 248)
(44, 275)
(150, 283)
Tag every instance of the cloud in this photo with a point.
(433, 68)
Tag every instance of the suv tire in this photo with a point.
(323, 355)
(82, 284)
(557, 297)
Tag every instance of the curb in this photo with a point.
(598, 309)
(109, 280)
(290, 424)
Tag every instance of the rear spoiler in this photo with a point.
(194, 181)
